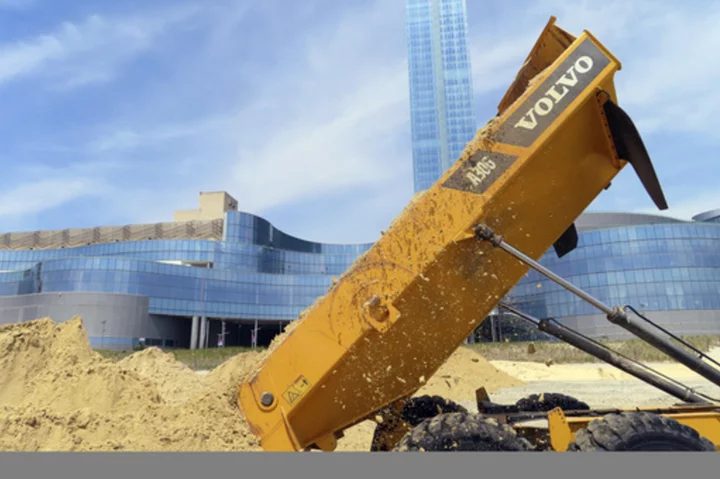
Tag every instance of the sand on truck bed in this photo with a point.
(57, 394)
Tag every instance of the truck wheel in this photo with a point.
(638, 431)
(415, 411)
(424, 407)
(462, 432)
(549, 401)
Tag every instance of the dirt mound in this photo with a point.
(44, 363)
(175, 381)
(230, 373)
(463, 373)
(56, 394)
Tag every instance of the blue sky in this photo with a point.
(121, 112)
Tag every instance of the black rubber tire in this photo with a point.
(462, 432)
(424, 407)
(549, 401)
(638, 431)
(415, 411)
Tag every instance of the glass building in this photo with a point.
(441, 93)
(253, 275)
(220, 275)
(669, 269)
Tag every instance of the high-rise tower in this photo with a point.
(441, 94)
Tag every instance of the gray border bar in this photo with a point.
(511, 465)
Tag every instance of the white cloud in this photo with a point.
(343, 147)
(77, 54)
(33, 188)
(495, 64)
(668, 78)
(324, 123)
(345, 124)
(127, 139)
(331, 117)
(16, 4)
(668, 81)
(96, 170)
(668, 84)
(331, 112)
(36, 196)
(121, 139)
(26, 58)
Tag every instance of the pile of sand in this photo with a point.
(175, 381)
(56, 394)
(463, 373)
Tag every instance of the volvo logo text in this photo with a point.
(555, 94)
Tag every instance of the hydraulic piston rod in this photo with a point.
(611, 357)
(615, 315)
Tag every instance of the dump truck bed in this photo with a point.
(402, 308)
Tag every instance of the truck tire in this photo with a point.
(462, 432)
(415, 411)
(424, 407)
(546, 402)
(638, 431)
(549, 401)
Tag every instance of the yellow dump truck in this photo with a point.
(364, 349)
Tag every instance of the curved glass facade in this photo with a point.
(257, 271)
(260, 273)
(655, 267)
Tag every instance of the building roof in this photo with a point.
(598, 220)
(707, 215)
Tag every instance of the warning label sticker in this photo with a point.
(296, 390)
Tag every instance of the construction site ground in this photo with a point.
(57, 394)
(599, 385)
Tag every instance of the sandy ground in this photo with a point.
(599, 385)
(597, 393)
(527, 371)
(604, 393)
(56, 394)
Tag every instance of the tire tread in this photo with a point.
(626, 431)
(462, 432)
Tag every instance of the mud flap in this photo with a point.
(630, 147)
(567, 242)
